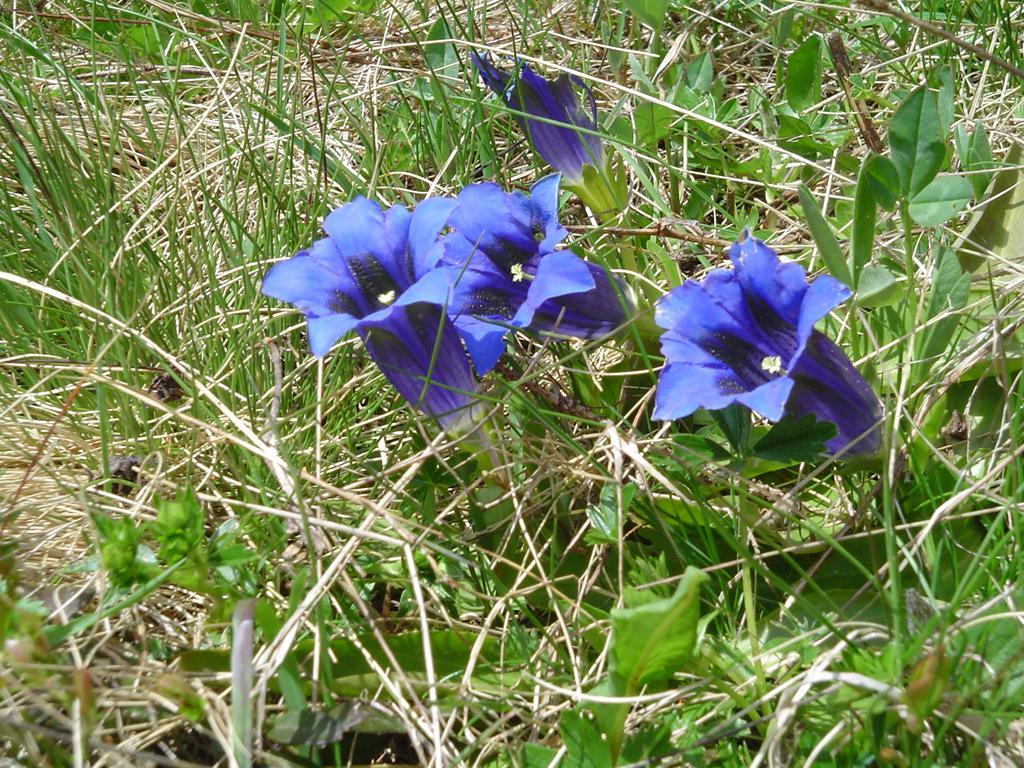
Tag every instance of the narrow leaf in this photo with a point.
(978, 161)
(824, 238)
(319, 728)
(950, 290)
(862, 237)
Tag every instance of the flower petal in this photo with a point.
(495, 79)
(497, 223)
(419, 351)
(773, 289)
(485, 340)
(827, 385)
(325, 331)
(373, 245)
(558, 274)
(556, 136)
(769, 399)
(315, 281)
(544, 213)
(587, 314)
(823, 295)
(428, 219)
(685, 387)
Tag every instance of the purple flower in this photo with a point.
(373, 274)
(506, 272)
(551, 116)
(746, 335)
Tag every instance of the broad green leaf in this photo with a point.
(795, 438)
(611, 718)
(916, 141)
(439, 56)
(653, 123)
(650, 12)
(317, 728)
(796, 135)
(950, 289)
(734, 421)
(700, 72)
(803, 75)
(928, 681)
(584, 747)
(940, 201)
(862, 235)
(784, 26)
(652, 642)
(884, 180)
(824, 238)
(998, 227)
(604, 516)
(536, 756)
(878, 287)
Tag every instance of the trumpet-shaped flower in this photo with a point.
(373, 274)
(746, 335)
(551, 115)
(507, 274)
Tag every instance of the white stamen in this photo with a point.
(386, 298)
(517, 273)
(772, 364)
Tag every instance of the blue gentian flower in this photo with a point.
(506, 272)
(556, 136)
(746, 335)
(374, 274)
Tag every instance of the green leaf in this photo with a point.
(945, 98)
(653, 123)
(536, 756)
(795, 438)
(734, 421)
(179, 528)
(940, 201)
(878, 287)
(978, 160)
(700, 72)
(998, 227)
(439, 56)
(950, 289)
(650, 12)
(652, 642)
(803, 75)
(584, 746)
(604, 516)
(610, 718)
(916, 141)
(884, 180)
(824, 238)
(862, 236)
(315, 728)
